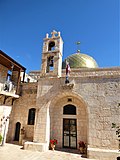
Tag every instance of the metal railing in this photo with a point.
(8, 86)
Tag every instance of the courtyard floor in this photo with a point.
(15, 152)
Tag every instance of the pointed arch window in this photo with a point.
(31, 116)
(69, 109)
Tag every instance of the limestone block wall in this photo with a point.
(98, 94)
(102, 98)
(50, 91)
(20, 111)
(96, 99)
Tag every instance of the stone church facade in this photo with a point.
(81, 110)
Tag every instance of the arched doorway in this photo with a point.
(68, 109)
(17, 131)
(69, 127)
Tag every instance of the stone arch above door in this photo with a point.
(70, 95)
(57, 116)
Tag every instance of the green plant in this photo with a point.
(117, 132)
(0, 138)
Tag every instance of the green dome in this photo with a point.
(79, 60)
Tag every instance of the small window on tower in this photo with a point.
(51, 46)
(50, 64)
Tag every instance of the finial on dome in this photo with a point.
(78, 46)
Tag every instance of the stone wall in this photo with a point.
(100, 95)
(20, 111)
(95, 95)
(102, 99)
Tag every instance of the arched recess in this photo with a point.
(17, 131)
(57, 117)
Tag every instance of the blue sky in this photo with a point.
(95, 23)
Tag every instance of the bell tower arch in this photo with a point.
(52, 55)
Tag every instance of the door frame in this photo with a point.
(69, 133)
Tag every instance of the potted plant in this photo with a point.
(82, 146)
(53, 142)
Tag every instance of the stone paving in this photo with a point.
(15, 152)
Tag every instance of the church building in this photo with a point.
(70, 100)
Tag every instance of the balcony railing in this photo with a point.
(7, 88)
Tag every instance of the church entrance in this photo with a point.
(69, 133)
(68, 122)
(17, 131)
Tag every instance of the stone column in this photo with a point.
(42, 127)
(57, 65)
(41, 131)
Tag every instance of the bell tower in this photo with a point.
(52, 55)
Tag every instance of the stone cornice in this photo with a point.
(84, 72)
(97, 72)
